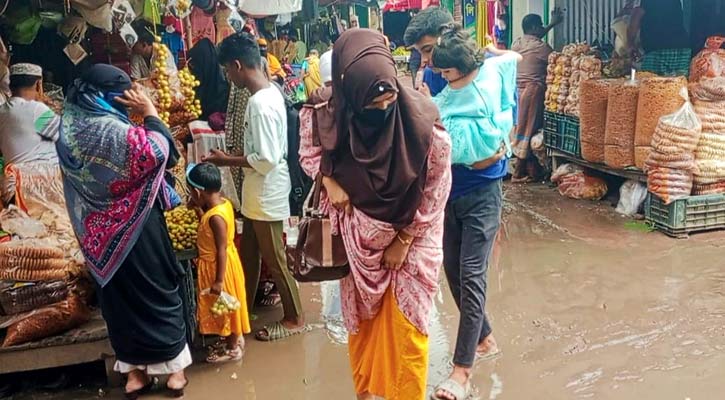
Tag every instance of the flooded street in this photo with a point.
(584, 305)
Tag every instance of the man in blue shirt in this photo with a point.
(422, 34)
(473, 215)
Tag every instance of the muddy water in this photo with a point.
(582, 307)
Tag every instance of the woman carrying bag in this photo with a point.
(385, 165)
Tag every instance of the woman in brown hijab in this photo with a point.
(385, 161)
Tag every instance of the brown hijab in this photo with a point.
(379, 157)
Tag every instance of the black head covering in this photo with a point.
(103, 80)
(214, 89)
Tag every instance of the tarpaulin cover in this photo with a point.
(270, 7)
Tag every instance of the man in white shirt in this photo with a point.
(28, 128)
(266, 187)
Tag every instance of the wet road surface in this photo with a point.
(583, 307)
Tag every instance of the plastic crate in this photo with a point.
(561, 132)
(684, 216)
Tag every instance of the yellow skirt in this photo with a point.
(389, 356)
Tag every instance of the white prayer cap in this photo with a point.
(26, 69)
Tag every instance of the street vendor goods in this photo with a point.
(183, 224)
(657, 97)
(710, 62)
(48, 321)
(593, 118)
(574, 183)
(621, 122)
(671, 164)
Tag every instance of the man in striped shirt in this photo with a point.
(28, 128)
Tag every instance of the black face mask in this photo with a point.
(375, 117)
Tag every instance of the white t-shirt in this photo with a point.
(266, 186)
(28, 131)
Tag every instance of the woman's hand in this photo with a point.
(394, 256)
(138, 102)
(483, 164)
(337, 195)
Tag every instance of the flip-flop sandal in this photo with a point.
(489, 355)
(270, 300)
(134, 394)
(226, 355)
(459, 392)
(277, 331)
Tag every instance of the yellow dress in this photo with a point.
(236, 322)
(389, 356)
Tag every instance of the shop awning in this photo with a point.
(405, 5)
(270, 7)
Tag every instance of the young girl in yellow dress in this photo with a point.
(219, 266)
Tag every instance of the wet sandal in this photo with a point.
(270, 300)
(277, 331)
(134, 394)
(226, 355)
(488, 355)
(178, 393)
(458, 391)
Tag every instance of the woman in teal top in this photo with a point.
(477, 110)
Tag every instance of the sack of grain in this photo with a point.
(618, 157)
(657, 97)
(593, 97)
(621, 120)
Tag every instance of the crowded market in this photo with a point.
(175, 171)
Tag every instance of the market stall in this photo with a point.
(48, 316)
(662, 131)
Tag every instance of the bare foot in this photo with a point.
(177, 381)
(488, 347)
(461, 375)
(137, 379)
(365, 396)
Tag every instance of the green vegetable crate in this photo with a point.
(561, 132)
(684, 216)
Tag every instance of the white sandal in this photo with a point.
(459, 392)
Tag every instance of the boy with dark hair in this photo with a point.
(422, 33)
(266, 186)
(143, 55)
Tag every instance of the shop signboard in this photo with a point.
(469, 16)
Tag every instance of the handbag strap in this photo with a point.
(312, 203)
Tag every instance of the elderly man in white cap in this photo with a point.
(28, 128)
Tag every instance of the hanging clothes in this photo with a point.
(223, 28)
(482, 31)
(202, 26)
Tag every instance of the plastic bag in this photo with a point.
(671, 164)
(631, 197)
(48, 321)
(17, 222)
(710, 62)
(20, 297)
(574, 183)
(206, 140)
(224, 304)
